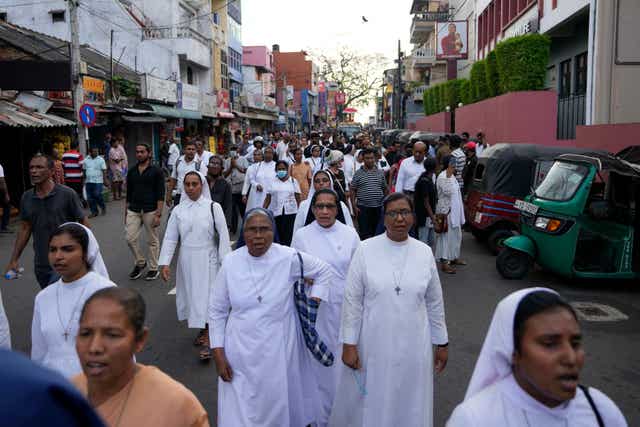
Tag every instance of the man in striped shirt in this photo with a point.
(460, 159)
(368, 189)
(72, 162)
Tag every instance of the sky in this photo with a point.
(324, 26)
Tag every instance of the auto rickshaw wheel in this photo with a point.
(513, 264)
(480, 235)
(496, 239)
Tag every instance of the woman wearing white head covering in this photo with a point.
(321, 179)
(528, 370)
(258, 176)
(199, 225)
(74, 254)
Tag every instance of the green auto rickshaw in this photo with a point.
(580, 222)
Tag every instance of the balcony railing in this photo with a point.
(423, 56)
(183, 32)
(418, 93)
(421, 28)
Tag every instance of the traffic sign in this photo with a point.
(87, 115)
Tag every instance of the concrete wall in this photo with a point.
(95, 26)
(440, 122)
(258, 56)
(612, 138)
(564, 10)
(526, 117)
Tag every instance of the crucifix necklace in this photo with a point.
(67, 329)
(397, 278)
(254, 283)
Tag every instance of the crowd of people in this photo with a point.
(326, 309)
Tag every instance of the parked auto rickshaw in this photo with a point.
(581, 221)
(504, 173)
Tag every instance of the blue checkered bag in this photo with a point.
(307, 313)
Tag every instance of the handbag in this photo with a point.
(307, 309)
(441, 225)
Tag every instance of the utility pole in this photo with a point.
(113, 92)
(397, 98)
(77, 90)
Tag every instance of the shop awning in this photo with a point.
(16, 116)
(225, 115)
(175, 113)
(144, 119)
(258, 116)
(241, 115)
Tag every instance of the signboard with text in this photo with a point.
(159, 89)
(453, 40)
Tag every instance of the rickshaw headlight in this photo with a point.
(550, 225)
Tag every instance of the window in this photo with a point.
(216, 18)
(581, 74)
(562, 181)
(189, 75)
(3, 16)
(57, 16)
(224, 70)
(498, 18)
(565, 79)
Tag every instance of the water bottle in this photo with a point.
(13, 274)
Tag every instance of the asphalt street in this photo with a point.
(470, 298)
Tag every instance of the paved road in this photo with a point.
(470, 297)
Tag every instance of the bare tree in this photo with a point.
(357, 75)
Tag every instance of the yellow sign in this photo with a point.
(93, 85)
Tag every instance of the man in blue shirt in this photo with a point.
(95, 172)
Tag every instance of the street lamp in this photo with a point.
(447, 109)
(460, 105)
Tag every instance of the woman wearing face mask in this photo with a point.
(321, 180)
(123, 392)
(199, 225)
(283, 199)
(335, 244)
(392, 328)
(259, 175)
(529, 367)
(75, 255)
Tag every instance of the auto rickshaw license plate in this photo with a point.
(527, 207)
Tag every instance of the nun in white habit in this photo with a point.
(199, 225)
(258, 177)
(321, 179)
(335, 244)
(392, 317)
(74, 254)
(259, 351)
(527, 373)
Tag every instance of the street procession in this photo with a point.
(239, 213)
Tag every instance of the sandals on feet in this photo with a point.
(199, 341)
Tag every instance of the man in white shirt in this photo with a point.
(184, 164)
(258, 143)
(235, 169)
(281, 149)
(411, 169)
(481, 143)
(174, 154)
(202, 155)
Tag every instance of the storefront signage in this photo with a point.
(190, 97)
(527, 23)
(340, 98)
(90, 84)
(526, 28)
(208, 105)
(157, 89)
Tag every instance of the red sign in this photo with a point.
(340, 98)
(223, 99)
(321, 87)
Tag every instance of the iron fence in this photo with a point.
(571, 113)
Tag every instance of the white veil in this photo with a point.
(494, 362)
(94, 257)
(206, 192)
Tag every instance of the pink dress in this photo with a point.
(118, 163)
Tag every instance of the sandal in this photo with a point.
(446, 268)
(205, 353)
(459, 262)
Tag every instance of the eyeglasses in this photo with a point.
(404, 213)
(327, 206)
(258, 230)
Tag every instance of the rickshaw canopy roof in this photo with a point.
(604, 162)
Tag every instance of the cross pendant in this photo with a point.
(66, 335)
(397, 289)
(260, 298)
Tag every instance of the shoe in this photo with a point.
(104, 212)
(93, 215)
(137, 271)
(152, 275)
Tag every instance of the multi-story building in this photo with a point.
(234, 53)
(259, 87)
(297, 85)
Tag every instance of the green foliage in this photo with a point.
(478, 81)
(522, 62)
(465, 87)
(452, 88)
(493, 80)
(427, 102)
(126, 88)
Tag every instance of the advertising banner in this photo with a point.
(453, 40)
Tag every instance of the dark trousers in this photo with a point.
(6, 211)
(368, 221)
(45, 276)
(77, 187)
(238, 208)
(284, 224)
(94, 197)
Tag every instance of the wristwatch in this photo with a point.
(442, 345)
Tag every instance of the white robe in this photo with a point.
(394, 320)
(191, 224)
(334, 245)
(262, 340)
(448, 244)
(5, 331)
(258, 174)
(303, 211)
(506, 404)
(50, 321)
